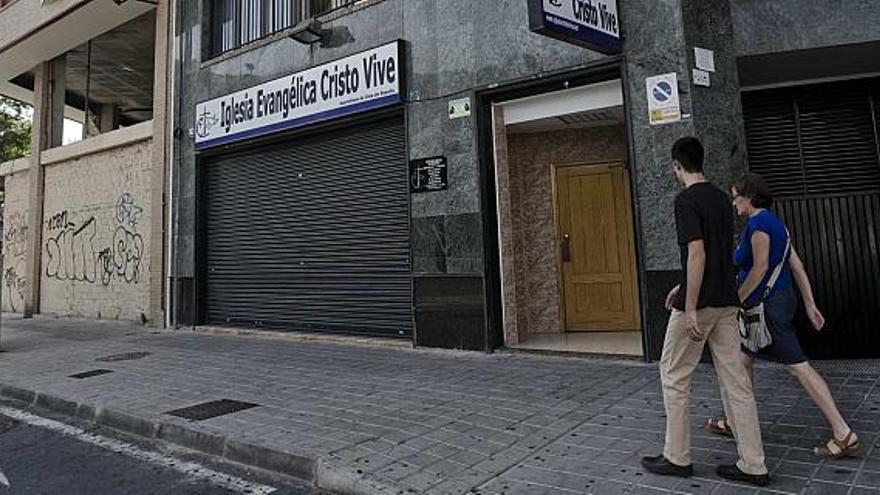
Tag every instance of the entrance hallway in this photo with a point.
(568, 257)
(430, 422)
(623, 344)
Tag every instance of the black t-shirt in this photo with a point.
(703, 211)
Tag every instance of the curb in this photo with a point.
(313, 469)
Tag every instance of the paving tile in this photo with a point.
(870, 479)
(823, 488)
(834, 474)
(798, 469)
(728, 489)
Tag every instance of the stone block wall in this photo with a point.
(96, 235)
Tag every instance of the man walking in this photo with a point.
(704, 308)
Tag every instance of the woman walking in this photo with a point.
(761, 249)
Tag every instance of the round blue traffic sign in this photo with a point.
(662, 91)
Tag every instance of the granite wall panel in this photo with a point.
(770, 26)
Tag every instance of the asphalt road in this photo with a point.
(45, 456)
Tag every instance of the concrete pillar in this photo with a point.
(48, 128)
(107, 118)
(57, 87)
(39, 139)
(162, 109)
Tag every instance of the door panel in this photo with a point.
(598, 263)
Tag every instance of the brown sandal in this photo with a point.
(719, 427)
(848, 447)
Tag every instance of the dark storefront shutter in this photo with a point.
(312, 234)
(837, 138)
(772, 140)
(818, 147)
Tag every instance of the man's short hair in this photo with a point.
(689, 153)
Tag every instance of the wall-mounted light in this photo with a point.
(308, 31)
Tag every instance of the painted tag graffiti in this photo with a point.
(15, 287)
(127, 212)
(14, 245)
(72, 254)
(15, 236)
(70, 250)
(123, 259)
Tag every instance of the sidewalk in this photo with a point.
(376, 420)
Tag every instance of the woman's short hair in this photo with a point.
(754, 187)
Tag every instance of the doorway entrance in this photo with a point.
(566, 232)
(597, 255)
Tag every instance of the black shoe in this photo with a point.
(732, 472)
(661, 465)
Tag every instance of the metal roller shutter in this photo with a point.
(312, 234)
(818, 146)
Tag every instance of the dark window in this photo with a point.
(817, 139)
(238, 22)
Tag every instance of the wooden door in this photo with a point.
(597, 254)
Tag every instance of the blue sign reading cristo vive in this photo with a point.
(364, 81)
(594, 24)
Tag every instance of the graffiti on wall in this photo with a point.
(72, 253)
(15, 235)
(70, 248)
(128, 213)
(14, 247)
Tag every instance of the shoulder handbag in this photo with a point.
(753, 330)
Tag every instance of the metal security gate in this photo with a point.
(819, 149)
(311, 234)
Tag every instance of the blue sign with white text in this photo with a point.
(594, 24)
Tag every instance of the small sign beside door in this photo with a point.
(664, 105)
(428, 174)
(460, 108)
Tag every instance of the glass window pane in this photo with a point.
(284, 14)
(251, 20)
(224, 25)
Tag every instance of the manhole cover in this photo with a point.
(212, 409)
(128, 356)
(89, 374)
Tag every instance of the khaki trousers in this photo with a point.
(680, 358)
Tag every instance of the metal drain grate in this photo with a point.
(870, 367)
(128, 356)
(89, 374)
(212, 409)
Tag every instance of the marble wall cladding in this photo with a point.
(768, 26)
(507, 234)
(429, 245)
(655, 44)
(464, 243)
(717, 110)
(658, 284)
(531, 158)
(447, 244)
(661, 37)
